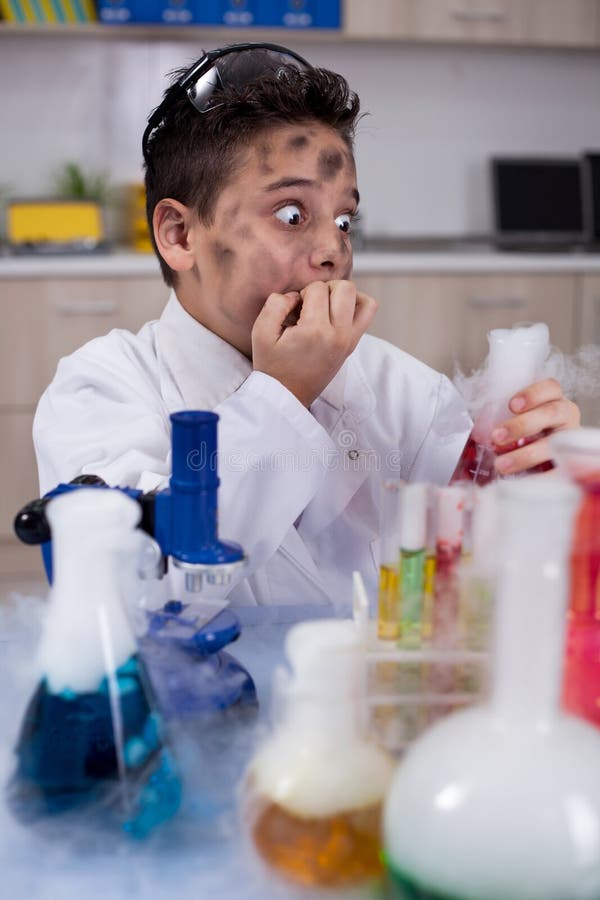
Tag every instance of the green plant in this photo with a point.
(73, 183)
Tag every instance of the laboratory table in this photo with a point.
(204, 852)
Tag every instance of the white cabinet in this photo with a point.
(554, 23)
(388, 19)
(444, 319)
(564, 23)
(43, 320)
(473, 21)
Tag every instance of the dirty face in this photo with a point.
(283, 221)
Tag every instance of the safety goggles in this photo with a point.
(208, 75)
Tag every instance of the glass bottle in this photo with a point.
(577, 453)
(503, 800)
(315, 789)
(515, 360)
(92, 736)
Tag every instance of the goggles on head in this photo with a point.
(241, 64)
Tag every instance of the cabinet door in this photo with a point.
(18, 470)
(44, 320)
(443, 320)
(421, 315)
(556, 23)
(589, 334)
(377, 18)
(469, 21)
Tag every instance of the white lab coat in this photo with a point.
(299, 489)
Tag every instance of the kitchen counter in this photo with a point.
(378, 257)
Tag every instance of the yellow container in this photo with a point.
(42, 222)
(137, 225)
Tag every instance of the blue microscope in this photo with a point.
(190, 671)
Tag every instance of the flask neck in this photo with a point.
(532, 588)
(324, 720)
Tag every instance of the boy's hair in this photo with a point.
(191, 155)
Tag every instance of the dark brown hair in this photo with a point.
(192, 155)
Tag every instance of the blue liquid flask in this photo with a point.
(92, 737)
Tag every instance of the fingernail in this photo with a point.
(517, 404)
(499, 435)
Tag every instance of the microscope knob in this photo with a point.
(31, 525)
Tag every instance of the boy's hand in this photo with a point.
(305, 357)
(540, 409)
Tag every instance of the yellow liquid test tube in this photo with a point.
(428, 593)
(388, 609)
(388, 619)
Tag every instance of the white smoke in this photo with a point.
(578, 374)
(202, 852)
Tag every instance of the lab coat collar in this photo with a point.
(204, 368)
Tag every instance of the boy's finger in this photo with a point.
(271, 318)
(551, 416)
(315, 305)
(535, 394)
(342, 304)
(524, 458)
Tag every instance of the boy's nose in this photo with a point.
(331, 254)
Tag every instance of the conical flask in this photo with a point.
(92, 736)
(315, 788)
(577, 453)
(515, 361)
(502, 801)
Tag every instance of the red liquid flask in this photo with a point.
(476, 463)
(581, 682)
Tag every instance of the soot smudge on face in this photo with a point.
(263, 151)
(298, 142)
(330, 163)
(224, 257)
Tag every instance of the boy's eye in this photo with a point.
(289, 214)
(344, 222)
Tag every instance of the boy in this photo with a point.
(251, 190)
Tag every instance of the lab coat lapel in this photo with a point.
(352, 461)
(198, 369)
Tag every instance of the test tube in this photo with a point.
(413, 539)
(388, 622)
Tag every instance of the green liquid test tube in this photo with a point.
(413, 538)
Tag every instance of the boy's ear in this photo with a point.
(172, 222)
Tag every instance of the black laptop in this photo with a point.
(537, 203)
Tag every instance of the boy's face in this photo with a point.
(282, 222)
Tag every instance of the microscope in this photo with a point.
(190, 671)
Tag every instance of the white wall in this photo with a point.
(436, 115)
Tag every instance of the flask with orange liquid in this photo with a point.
(315, 789)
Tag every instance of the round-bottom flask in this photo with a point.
(502, 801)
(315, 789)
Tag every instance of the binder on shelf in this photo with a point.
(48, 12)
(299, 13)
(234, 13)
(158, 12)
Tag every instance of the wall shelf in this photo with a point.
(142, 32)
